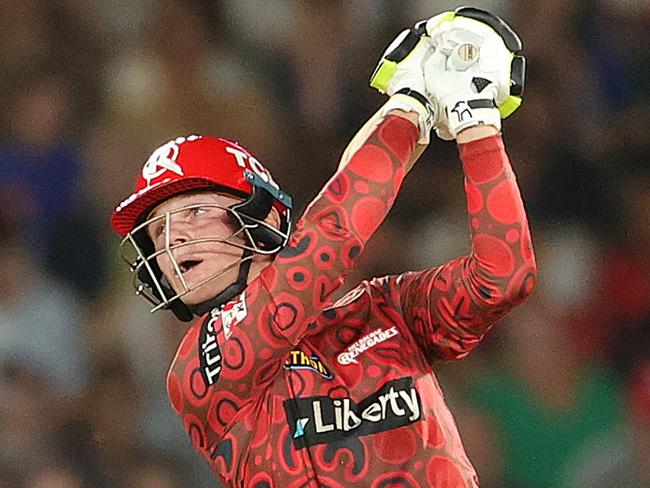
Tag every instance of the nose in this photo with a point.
(179, 230)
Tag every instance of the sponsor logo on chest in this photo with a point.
(366, 342)
(209, 352)
(299, 360)
(232, 313)
(320, 420)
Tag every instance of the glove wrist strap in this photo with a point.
(464, 113)
(412, 101)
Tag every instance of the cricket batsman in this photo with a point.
(275, 383)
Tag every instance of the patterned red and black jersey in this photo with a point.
(282, 388)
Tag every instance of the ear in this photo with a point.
(273, 218)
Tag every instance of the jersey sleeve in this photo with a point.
(333, 232)
(450, 308)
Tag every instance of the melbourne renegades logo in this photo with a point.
(366, 342)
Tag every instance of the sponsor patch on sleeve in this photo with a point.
(366, 342)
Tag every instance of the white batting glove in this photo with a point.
(400, 75)
(474, 74)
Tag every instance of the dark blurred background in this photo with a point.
(557, 396)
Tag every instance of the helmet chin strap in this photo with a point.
(230, 292)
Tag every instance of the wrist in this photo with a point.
(419, 108)
(412, 117)
(476, 132)
(473, 152)
(465, 111)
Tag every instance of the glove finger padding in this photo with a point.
(437, 62)
(402, 64)
(474, 75)
(514, 45)
(400, 74)
(498, 55)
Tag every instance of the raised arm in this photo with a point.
(450, 308)
(337, 224)
(476, 77)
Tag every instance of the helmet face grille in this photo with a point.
(144, 258)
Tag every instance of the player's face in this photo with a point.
(185, 219)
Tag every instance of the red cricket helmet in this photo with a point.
(195, 163)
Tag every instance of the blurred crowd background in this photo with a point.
(557, 396)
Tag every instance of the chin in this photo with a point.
(200, 295)
(206, 292)
(195, 297)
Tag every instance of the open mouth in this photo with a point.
(187, 265)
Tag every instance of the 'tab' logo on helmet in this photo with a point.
(164, 159)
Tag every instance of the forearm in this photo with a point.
(476, 132)
(502, 266)
(450, 308)
(410, 116)
(371, 124)
(465, 136)
(366, 184)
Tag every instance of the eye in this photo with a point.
(197, 211)
(157, 229)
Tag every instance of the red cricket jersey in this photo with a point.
(282, 388)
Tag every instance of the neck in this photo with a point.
(257, 267)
